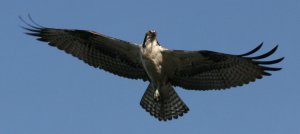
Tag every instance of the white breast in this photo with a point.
(152, 59)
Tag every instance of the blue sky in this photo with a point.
(45, 91)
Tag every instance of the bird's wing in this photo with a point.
(207, 70)
(113, 55)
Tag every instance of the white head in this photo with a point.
(150, 36)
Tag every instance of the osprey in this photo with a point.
(162, 67)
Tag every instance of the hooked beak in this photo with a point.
(149, 35)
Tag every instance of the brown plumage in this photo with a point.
(195, 70)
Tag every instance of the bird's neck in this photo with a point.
(152, 46)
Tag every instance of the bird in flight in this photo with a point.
(163, 68)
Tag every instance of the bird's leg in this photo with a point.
(156, 95)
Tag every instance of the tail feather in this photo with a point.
(169, 105)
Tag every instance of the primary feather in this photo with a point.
(196, 70)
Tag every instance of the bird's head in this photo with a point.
(150, 37)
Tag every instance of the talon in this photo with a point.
(156, 95)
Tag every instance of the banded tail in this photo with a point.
(168, 106)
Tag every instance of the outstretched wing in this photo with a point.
(113, 55)
(206, 70)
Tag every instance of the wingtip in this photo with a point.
(280, 59)
(266, 54)
(32, 34)
(33, 24)
(270, 68)
(31, 29)
(253, 50)
(276, 47)
(266, 74)
(269, 62)
(260, 45)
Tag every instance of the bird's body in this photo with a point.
(163, 68)
(152, 60)
(160, 98)
(151, 57)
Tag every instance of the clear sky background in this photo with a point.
(45, 91)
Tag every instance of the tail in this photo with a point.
(168, 106)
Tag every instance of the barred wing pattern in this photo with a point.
(113, 55)
(207, 70)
